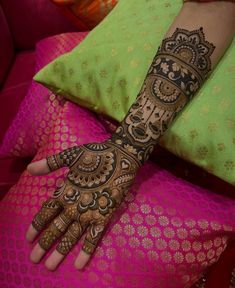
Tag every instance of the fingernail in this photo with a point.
(37, 254)
(78, 265)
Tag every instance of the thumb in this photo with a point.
(54, 162)
(39, 167)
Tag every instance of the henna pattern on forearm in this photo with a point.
(178, 70)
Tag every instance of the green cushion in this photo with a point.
(105, 73)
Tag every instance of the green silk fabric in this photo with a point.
(106, 71)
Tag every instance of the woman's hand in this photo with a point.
(99, 178)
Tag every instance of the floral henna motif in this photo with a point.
(72, 194)
(177, 72)
(96, 183)
(190, 47)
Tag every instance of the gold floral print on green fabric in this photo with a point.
(116, 45)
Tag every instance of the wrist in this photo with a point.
(128, 148)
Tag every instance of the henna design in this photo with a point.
(65, 158)
(49, 210)
(55, 230)
(88, 247)
(100, 174)
(93, 235)
(101, 201)
(177, 72)
(96, 183)
(94, 169)
(70, 238)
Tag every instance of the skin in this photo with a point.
(41, 168)
(99, 178)
(191, 17)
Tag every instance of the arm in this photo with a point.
(191, 48)
(101, 173)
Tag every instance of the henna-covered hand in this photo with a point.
(99, 178)
(101, 174)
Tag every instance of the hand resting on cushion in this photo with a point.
(101, 173)
(99, 177)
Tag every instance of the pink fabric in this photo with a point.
(10, 172)
(166, 233)
(31, 21)
(6, 47)
(15, 88)
(32, 124)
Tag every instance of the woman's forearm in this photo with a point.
(191, 48)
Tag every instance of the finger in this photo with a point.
(82, 260)
(66, 244)
(54, 260)
(50, 209)
(92, 238)
(31, 233)
(64, 158)
(36, 254)
(50, 235)
(39, 167)
(56, 229)
(54, 162)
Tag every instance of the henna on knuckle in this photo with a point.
(64, 158)
(55, 231)
(88, 247)
(70, 238)
(49, 210)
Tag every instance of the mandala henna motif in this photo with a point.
(177, 72)
(93, 170)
